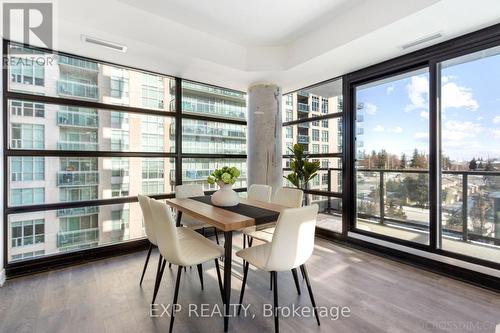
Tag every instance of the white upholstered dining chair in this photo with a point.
(148, 227)
(189, 191)
(260, 192)
(291, 246)
(182, 247)
(284, 196)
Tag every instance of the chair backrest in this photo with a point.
(166, 232)
(260, 192)
(148, 218)
(293, 238)
(288, 197)
(189, 191)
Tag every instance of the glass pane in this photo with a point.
(392, 182)
(80, 228)
(77, 78)
(208, 137)
(330, 172)
(88, 178)
(470, 134)
(312, 102)
(330, 212)
(87, 129)
(317, 137)
(206, 100)
(197, 170)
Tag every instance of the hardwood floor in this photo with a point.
(383, 296)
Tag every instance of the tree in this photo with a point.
(473, 164)
(381, 159)
(403, 162)
(446, 163)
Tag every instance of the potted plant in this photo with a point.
(302, 170)
(225, 177)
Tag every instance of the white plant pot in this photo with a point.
(225, 196)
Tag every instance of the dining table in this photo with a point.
(247, 213)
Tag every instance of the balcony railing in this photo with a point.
(303, 107)
(71, 145)
(303, 93)
(77, 89)
(70, 238)
(213, 132)
(303, 125)
(303, 139)
(469, 187)
(214, 109)
(75, 178)
(80, 63)
(78, 211)
(212, 90)
(71, 118)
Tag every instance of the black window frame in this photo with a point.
(45, 262)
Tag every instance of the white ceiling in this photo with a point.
(248, 23)
(235, 43)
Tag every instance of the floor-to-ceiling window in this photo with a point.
(424, 168)
(85, 137)
(312, 118)
(392, 183)
(470, 154)
(213, 132)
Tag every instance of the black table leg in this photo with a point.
(179, 217)
(228, 247)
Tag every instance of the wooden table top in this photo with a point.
(219, 217)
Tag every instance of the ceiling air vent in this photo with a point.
(100, 42)
(422, 40)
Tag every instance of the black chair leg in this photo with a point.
(200, 273)
(276, 318)
(146, 263)
(244, 241)
(245, 274)
(271, 276)
(176, 294)
(216, 236)
(304, 271)
(169, 265)
(159, 274)
(221, 288)
(296, 279)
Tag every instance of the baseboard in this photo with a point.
(3, 277)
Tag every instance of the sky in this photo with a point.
(396, 111)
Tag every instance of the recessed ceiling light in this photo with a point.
(422, 40)
(100, 42)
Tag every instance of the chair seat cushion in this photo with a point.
(192, 223)
(196, 249)
(256, 255)
(265, 235)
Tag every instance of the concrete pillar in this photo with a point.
(264, 135)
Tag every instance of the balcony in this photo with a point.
(303, 93)
(77, 178)
(303, 125)
(303, 107)
(303, 139)
(77, 211)
(79, 63)
(213, 109)
(77, 237)
(210, 90)
(213, 132)
(78, 119)
(77, 89)
(72, 145)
